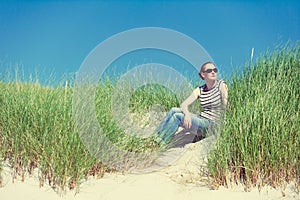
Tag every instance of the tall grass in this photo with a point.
(260, 140)
(37, 131)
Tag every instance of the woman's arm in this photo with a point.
(224, 94)
(184, 107)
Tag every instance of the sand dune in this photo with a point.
(182, 177)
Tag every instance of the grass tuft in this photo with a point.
(260, 138)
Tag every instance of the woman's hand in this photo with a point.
(187, 122)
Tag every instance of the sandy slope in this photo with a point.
(183, 179)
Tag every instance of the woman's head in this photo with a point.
(208, 70)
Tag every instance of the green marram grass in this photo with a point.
(259, 142)
(37, 131)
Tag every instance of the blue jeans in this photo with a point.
(175, 118)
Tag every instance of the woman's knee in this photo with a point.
(175, 110)
(179, 116)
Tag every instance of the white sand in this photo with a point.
(184, 179)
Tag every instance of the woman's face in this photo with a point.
(210, 72)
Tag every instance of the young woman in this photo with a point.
(213, 97)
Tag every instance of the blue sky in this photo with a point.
(56, 36)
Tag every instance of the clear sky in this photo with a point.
(56, 36)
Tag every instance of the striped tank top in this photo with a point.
(211, 102)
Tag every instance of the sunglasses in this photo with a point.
(210, 70)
